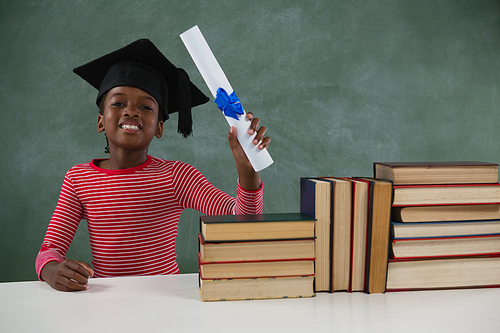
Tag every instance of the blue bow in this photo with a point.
(229, 104)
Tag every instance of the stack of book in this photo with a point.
(256, 256)
(352, 231)
(446, 225)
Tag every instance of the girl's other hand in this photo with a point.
(69, 275)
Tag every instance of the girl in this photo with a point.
(132, 201)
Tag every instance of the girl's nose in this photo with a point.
(131, 111)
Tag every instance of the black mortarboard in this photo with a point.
(141, 65)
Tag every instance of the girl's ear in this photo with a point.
(159, 129)
(100, 123)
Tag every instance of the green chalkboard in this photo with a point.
(339, 84)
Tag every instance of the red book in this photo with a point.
(443, 273)
(445, 246)
(256, 250)
(432, 195)
(341, 221)
(446, 213)
(436, 172)
(256, 268)
(359, 228)
(256, 279)
(377, 235)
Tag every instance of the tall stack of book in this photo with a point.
(352, 232)
(446, 225)
(256, 256)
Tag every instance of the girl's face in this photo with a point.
(130, 119)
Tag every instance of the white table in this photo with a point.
(172, 303)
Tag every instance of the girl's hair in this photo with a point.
(101, 104)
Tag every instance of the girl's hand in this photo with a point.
(69, 275)
(259, 139)
(249, 179)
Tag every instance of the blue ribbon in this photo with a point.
(229, 104)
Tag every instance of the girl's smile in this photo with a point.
(130, 126)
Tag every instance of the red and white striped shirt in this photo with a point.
(132, 214)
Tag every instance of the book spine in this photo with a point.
(307, 197)
(368, 238)
(351, 263)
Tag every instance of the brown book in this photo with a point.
(378, 235)
(407, 173)
(401, 230)
(256, 269)
(341, 230)
(256, 250)
(316, 201)
(446, 213)
(445, 246)
(219, 228)
(443, 273)
(256, 288)
(458, 194)
(360, 214)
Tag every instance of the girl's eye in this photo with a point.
(147, 108)
(117, 104)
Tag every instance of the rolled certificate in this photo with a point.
(224, 96)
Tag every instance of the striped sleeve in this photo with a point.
(194, 191)
(249, 202)
(62, 227)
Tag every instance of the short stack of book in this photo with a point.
(352, 231)
(446, 225)
(256, 256)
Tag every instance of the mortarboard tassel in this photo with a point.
(185, 122)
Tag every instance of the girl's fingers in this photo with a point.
(259, 139)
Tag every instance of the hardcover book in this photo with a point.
(377, 245)
(256, 250)
(444, 229)
(445, 246)
(446, 213)
(256, 269)
(359, 226)
(316, 201)
(436, 172)
(341, 230)
(219, 228)
(443, 273)
(461, 194)
(259, 288)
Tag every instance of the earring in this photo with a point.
(106, 149)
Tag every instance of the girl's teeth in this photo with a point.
(130, 127)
